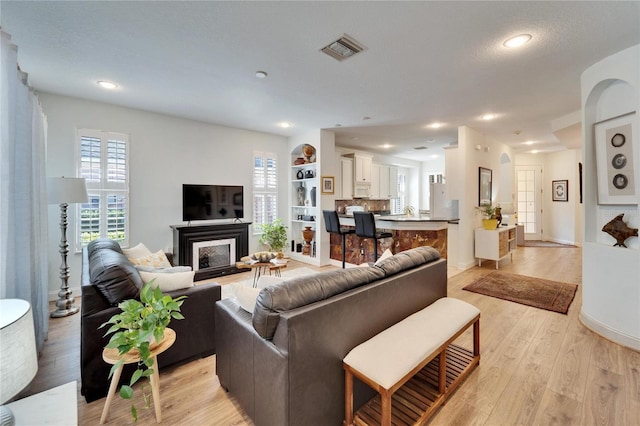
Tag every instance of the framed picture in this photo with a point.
(560, 190)
(615, 139)
(328, 184)
(484, 186)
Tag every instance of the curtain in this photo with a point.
(23, 201)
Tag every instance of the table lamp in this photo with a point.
(18, 356)
(65, 191)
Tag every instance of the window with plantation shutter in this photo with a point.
(265, 189)
(103, 162)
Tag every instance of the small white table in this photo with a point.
(55, 407)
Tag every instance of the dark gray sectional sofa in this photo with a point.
(283, 363)
(108, 278)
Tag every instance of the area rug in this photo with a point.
(538, 243)
(544, 294)
(286, 273)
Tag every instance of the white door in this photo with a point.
(529, 202)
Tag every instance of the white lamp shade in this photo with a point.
(18, 357)
(64, 190)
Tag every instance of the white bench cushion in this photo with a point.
(390, 355)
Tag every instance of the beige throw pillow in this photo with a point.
(168, 282)
(157, 260)
(136, 252)
(246, 296)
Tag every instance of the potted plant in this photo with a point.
(489, 220)
(274, 234)
(139, 327)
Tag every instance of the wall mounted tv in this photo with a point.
(205, 202)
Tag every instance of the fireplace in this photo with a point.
(211, 250)
(213, 254)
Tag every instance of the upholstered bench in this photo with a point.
(414, 362)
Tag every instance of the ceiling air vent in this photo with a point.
(420, 147)
(343, 48)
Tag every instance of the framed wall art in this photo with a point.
(484, 186)
(328, 184)
(560, 190)
(614, 139)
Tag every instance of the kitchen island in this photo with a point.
(407, 232)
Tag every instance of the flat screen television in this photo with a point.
(205, 202)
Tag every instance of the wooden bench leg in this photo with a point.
(385, 401)
(476, 339)
(348, 397)
(112, 391)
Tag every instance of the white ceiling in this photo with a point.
(424, 62)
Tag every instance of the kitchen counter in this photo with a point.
(407, 232)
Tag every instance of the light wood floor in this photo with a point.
(537, 367)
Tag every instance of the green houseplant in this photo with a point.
(136, 327)
(489, 220)
(274, 234)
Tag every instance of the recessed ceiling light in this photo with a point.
(435, 156)
(431, 140)
(529, 142)
(386, 146)
(535, 151)
(487, 117)
(284, 125)
(435, 125)
(261, 74)
(107, 84)
(517, 41)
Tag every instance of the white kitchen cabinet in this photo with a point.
(361, 168)
(495, 244)
(346, 178)
(375, 180)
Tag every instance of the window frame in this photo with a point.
(264, 191)
(104, 189)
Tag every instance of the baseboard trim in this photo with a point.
(609, 333)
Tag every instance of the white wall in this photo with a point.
(562, 218)
(165, 153)
(610, 275)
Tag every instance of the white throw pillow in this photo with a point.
(157, 260)
(168, 282)
(387, 253)
(246, 296)
(135, 252)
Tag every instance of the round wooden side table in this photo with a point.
(111, 356)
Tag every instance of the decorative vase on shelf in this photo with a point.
(302, 194)
(313, 196)
(298, 161)
(308, 152)
(307, 235)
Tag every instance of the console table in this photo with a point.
(495, 244)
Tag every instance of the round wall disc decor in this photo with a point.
(618, 140)
(619, 161)
(620, 181)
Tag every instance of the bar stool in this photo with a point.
(332, 224)
(366, 228)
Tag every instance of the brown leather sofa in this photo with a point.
(283, 363)
(107, 278)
